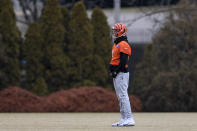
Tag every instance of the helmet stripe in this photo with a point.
(119, 26)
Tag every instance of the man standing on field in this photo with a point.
(121, 52)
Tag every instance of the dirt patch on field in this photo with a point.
(84, 99)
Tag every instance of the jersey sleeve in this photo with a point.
(125, 48)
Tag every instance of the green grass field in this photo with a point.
(96, 122)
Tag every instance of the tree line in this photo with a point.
(61, 51)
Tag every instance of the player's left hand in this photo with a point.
(113, 74)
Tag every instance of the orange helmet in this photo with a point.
(119, 30)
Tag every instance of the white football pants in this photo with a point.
(121, 87)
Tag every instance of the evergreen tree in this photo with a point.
(65, 22)
(33, 54)
(100, 75)
(10, 39)
(101, 35)
(81, 45)
(66, 17)
(54, 60)
(40, 87)
(102, 46)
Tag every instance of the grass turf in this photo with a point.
(96, 122)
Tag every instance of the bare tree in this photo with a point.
(31, 10)
(187, 5)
